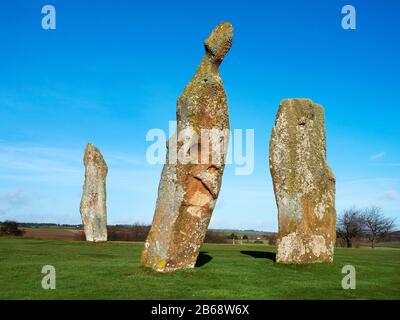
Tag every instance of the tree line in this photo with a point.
(353, 225)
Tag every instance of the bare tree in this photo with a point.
(350, 225)
(377, 226)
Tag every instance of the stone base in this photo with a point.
(297, 249)
(152, 260)
(96, 240)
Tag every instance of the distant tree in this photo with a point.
(245, 237)
(376, 225)
(10, 228)
(350, 225)
(233, 237)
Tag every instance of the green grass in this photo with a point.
(112, 271)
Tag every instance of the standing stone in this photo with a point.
(93, 203)
(304, 185)
(191, 178)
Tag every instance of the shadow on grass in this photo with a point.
(203, 259)
(260, 254)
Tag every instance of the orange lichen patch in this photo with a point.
(303, 183)
(93, 204)
(188, 191)
(219, 42)
(93, 200)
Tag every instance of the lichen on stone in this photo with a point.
(304, 185)
(93, 203)
(188, 189)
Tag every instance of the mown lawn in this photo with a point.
(112, 271)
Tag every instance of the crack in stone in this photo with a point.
(204, 185)
(202, 105)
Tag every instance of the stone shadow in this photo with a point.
(260, 254)
(203, 259)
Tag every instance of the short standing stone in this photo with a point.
(304, 184)
(93, 204)
(191, 178)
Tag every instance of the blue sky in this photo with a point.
(112, 70)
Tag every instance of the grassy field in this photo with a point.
(54, 233)
(112, 271)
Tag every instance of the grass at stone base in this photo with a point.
(112, 271)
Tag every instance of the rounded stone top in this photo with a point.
(91, 148)
(92, 155)
(300, 103)
(296, 101)
(219, 41)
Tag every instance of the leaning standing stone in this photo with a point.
(191, 178)
(304, 185)
(93, 203)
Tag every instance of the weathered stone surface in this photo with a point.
(188, 189)
(93, 204)
(304, 184)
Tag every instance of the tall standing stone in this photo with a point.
(304, 185)
(93, 204)
(191, 178)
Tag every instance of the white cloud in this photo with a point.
(15, 198)
(382, 192)
(20, 163)
(377, 156)
(13, 201)
(390, 195)
(53, 178)
(38, 159)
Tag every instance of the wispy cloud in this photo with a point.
(64, 166)
(44, 183)
(39, 159)
(27, 162)
(390, 195)
(377, 156)
(380, 191)
(14, 198)
(59, 96)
